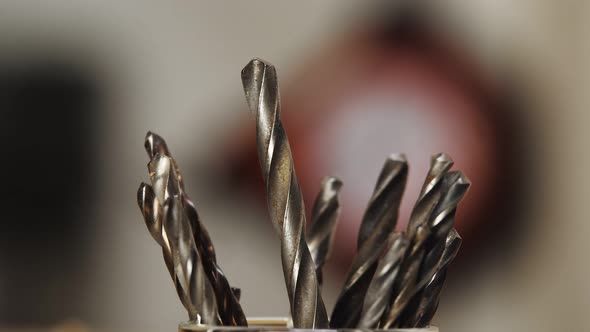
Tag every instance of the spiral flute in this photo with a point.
(168, 180)
(284, 198)
(151, 208)
(324, 217)
(379, 292)
(429, 297)
(453, 187)
(378, 222)
(187, 264)
(417, 231)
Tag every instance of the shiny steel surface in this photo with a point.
(378, 222)
(284, 198)
(324, 218)
(187, 264)
(380, 288)
(167, 182)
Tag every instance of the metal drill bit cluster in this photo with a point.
(188, 252)
(395, 278)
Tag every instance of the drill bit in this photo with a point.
(378, 222)
(417, 231)
(379, 292)
(152, 215)
(324, 217)
(429, 297)
(151, 209)
(187, 264)
(166, 174)
(284, 198)
(454, 187)
(426, 252)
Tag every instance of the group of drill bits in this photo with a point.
(396, 277)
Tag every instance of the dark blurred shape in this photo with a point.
(47, 108)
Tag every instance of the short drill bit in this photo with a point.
(324, 217)
(417, 231)
(379, 292)
(429, 297)
(453, 187)
(378, 222)
(171, 180)
(284, 198)
(187, 264)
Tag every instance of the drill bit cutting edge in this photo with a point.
(396, 277)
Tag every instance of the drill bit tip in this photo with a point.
(455, 186)
(331, 183)
(155, 144)
(253, 75)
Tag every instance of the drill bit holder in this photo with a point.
(272, 324)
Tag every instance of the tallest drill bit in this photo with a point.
(284, 198)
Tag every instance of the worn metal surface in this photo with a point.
(429, 297)
(324, 218)
(378, 222)
(417, 231)
(284, 198)
(187, 264)
(380, 289)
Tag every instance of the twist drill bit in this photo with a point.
(425, 257)
(417, 231)
(429, 194)
(187, 264)
(152, 210)
(429, 297)
(169, 179)
(378, 222)
(379, 292)
(284, 198)
(324, 217)
(454, 188)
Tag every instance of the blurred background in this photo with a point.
(500, 86)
